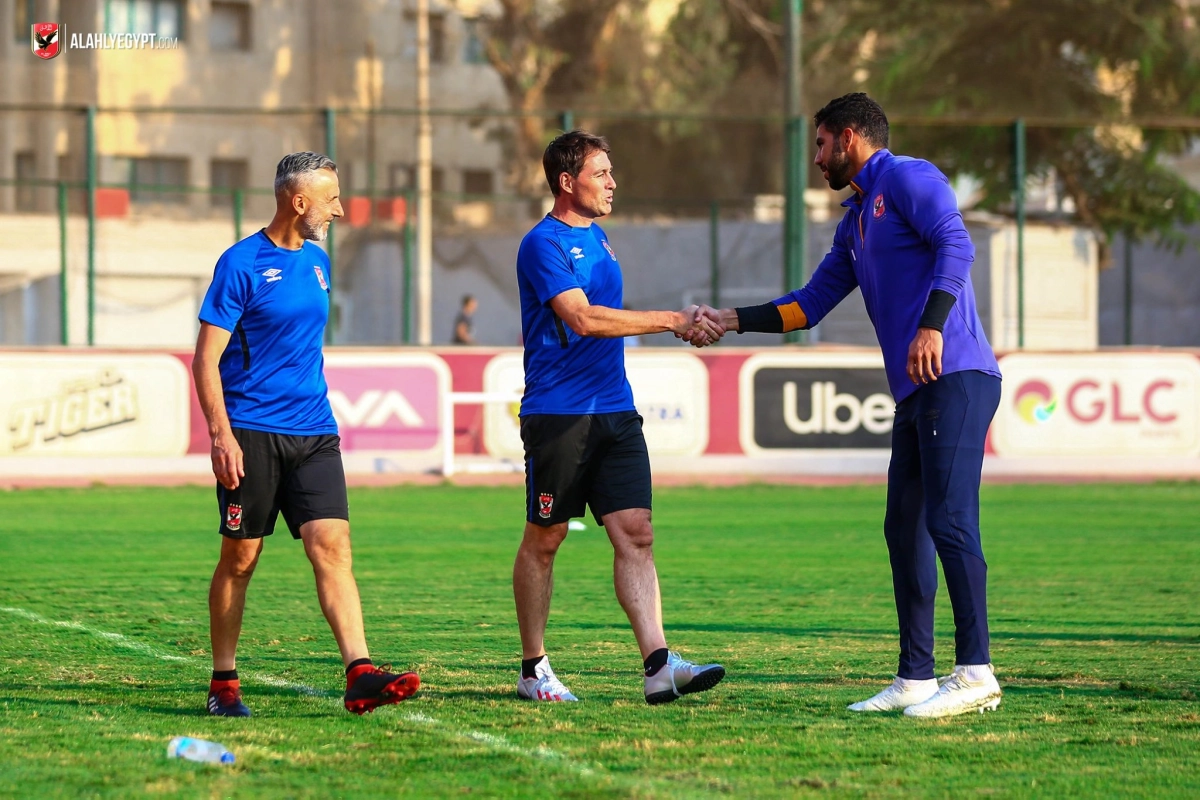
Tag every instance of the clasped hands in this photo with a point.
(699, 326)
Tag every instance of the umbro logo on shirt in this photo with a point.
(273, 275)
(577, 252)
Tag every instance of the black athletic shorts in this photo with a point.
(302, 476)
(597, 460)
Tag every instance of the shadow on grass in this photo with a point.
(821, 630)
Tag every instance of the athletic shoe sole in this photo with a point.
(991, 703)
(404, 687)
(701, 683)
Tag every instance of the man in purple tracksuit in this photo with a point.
(903, 242)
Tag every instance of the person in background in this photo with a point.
(464, 323)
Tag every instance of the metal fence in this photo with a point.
(84, 172)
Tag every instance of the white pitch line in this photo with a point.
(491, 740)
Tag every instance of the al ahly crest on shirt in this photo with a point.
(877, 206)
(320, 277)
(608, 247)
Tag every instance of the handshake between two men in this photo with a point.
(702, 325)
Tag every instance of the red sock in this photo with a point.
(214, 687)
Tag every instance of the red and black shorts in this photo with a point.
(302, 476)
(597, 461)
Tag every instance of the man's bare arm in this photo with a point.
(573, 308)
(226, 453)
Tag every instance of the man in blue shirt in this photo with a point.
(903, 242)
(275, 446)
(582, 434)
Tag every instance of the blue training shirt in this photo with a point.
(275, 302)
(566, 373)
(901, 238)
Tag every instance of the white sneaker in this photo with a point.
(901, 694)
(546, 686)
(678, 677)
(960, 695)
(946, 678)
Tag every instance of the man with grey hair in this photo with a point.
(275, 445)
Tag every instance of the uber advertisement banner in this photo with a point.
(805, 401)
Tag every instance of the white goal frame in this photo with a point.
(449, 401)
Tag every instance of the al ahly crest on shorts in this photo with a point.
(45, 39)
(233, 517)
(545, 505)
(878, 207)
(320, 277)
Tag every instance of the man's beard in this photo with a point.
(312, 230)
(838, 168)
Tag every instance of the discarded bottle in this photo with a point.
(198, 750)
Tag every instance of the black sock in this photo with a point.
(529, 667)
(360, 662)
(656, 661)
(224, 675)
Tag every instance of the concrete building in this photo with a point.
(265, 69)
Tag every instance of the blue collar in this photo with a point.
(862, 183)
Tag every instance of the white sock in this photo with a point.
(976, 673)
(908, 684)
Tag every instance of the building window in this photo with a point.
(402, 178)
(26, 198)
(477, 181)
(149, 177)
(229, 26)
(437, 37)
(225, 175)
(162, 17)
(474, 42)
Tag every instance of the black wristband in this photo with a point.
(937, 310)
(759, 319)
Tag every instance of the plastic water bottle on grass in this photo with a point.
(198, 750)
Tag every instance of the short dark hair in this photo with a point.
(857, 112)
(567, 152)
(467, 298)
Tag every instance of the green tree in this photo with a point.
(534, 45)
(1121, 63)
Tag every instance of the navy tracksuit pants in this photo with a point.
(933, 508)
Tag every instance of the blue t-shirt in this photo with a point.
(566, 373)
(275, 302)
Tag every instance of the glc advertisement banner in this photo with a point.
(1101, 404)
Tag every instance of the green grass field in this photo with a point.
(1095, 592)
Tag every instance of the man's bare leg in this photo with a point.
(227, 598)
(533, 584)
(634, 576)
(327, 544)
